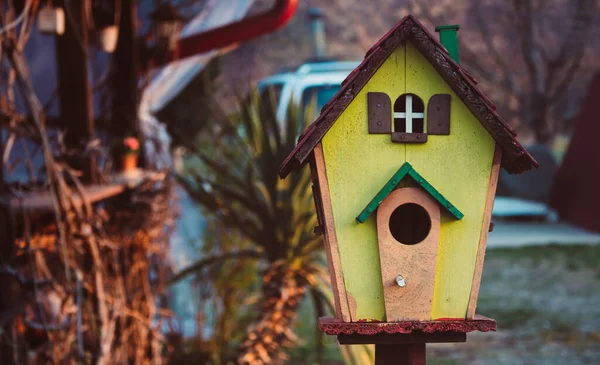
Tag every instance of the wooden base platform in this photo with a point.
(403, 343)
(332, 326)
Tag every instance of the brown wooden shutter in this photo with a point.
(380, 113)
(438, 115)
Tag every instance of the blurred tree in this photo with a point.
(529, 55)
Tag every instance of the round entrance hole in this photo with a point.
(410, 224)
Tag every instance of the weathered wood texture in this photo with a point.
(330, 240)
(515, 157)
(332, 326)
(380, 113)
(358, 165)
(409, 354)
(459, 166)
(486, 227)
(438, 115)
(415, 263)
(401, 137)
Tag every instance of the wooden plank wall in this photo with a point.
(458, 166)
(359, 164)
(330, 240)
(485, 228)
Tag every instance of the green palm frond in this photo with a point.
(235, 176)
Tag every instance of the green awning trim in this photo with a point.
(405, 170)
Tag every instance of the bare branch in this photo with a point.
(561, 85)
(508, 78)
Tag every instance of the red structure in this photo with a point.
(243, 30)
(574, 194)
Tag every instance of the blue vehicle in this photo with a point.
(312, 82)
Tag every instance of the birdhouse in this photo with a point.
(405, 161)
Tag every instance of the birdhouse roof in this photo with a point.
(515, 159)
(407, 170)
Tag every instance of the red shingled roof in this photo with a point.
(515, 159)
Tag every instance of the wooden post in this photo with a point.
(401, 348)
(403, 354)
(75, 94)
(124, 78)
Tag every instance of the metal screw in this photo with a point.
(400, 281)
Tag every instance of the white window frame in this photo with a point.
(408, 116)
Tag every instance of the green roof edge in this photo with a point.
(407, 169)
(385, 191)
(436, 194)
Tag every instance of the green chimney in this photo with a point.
(449, 39)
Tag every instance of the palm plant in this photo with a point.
(258, 219)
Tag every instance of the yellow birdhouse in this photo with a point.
(405, 161)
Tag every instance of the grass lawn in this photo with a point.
(547, 304)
